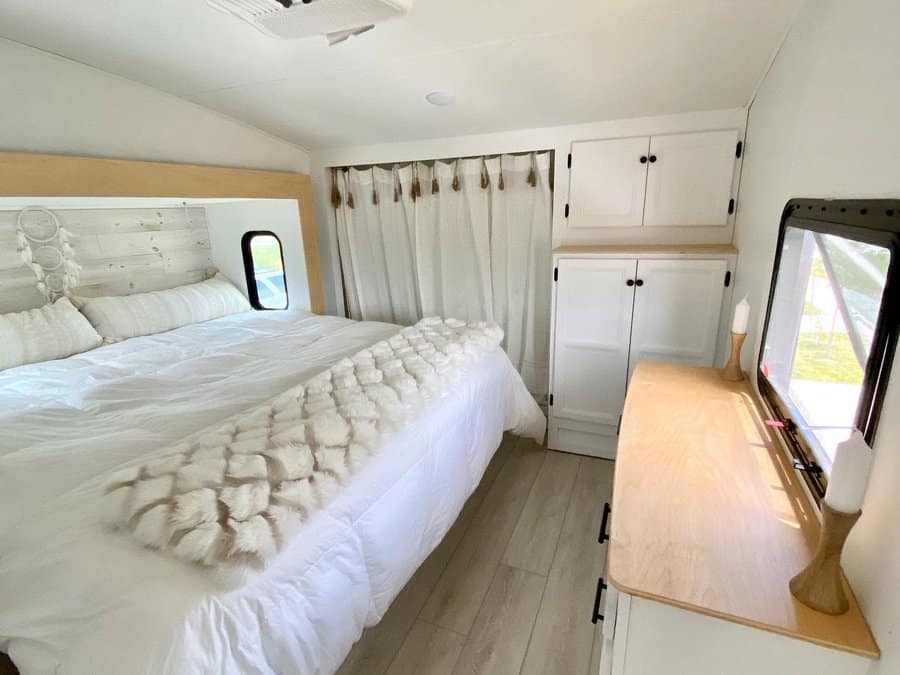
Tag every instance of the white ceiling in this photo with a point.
(511, 64)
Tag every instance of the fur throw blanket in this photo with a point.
(237, 494)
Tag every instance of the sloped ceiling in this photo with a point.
(511, 64)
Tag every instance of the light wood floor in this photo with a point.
(511, 587)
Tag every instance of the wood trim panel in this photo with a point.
(641, 250)
(121, 251)
(708, 514)
(38, 175)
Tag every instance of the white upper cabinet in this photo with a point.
(607, 185)
(689, 179)
(676, 311)
(672, 180)
(593, 323)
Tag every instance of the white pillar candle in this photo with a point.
(849, 475)
(741, 317)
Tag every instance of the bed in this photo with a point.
(76, 598)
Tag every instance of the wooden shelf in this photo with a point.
(644, 250)
(707, 512)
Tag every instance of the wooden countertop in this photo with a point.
(707, 513)
(642, 249)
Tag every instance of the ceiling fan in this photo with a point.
(337, 20)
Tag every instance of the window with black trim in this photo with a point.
(264, 267)
(831, 325)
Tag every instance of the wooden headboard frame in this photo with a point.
(36, 175)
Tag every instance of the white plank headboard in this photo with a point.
(121, 251)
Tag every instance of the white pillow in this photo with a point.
(50, 332)
(119, 318)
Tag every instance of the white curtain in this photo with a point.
(453, 257)
(521, 265)
(376, 239)
(468, 239)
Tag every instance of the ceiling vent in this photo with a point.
(336, 19)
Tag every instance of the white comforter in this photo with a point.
(75, 598)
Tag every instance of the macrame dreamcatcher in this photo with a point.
(44, 246)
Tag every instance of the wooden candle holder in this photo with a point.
(732, 371)
(820, 585)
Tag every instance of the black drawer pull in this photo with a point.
(597, 616)
(604, 522)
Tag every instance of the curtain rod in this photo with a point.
(432, 162)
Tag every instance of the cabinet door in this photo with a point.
(593, 324)
(607, 182)
(676, 311)
(689, 183)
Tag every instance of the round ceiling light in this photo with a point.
(439, 98)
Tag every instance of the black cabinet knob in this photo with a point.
(639, 282)
(630, 282)
(652, 158)
(643, 159)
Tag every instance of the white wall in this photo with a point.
(228, 222)
(53, 105)
(549, 138)
(826, 123)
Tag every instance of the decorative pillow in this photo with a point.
(119, 318)
(50, 332)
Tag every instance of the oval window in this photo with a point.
(264, 267)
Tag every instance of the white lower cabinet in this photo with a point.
(676, 311)
(654, 638)
(612, 311)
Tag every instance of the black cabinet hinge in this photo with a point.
(551, 399)
(740, 149)
(619, 426)
(555, 274)
(727, 278)
(569, 161)
(567, 210)
(731, 206)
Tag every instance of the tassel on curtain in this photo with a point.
(475, 251)
(350, 202)
(532, 174)
(416, 189)
(335, 191)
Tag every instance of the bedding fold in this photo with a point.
(76, 599)
(239, 492)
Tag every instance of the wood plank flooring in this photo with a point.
(510, 589)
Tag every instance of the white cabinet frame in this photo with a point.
(598, 436)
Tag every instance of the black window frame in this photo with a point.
(872, 221)
(250, 274)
